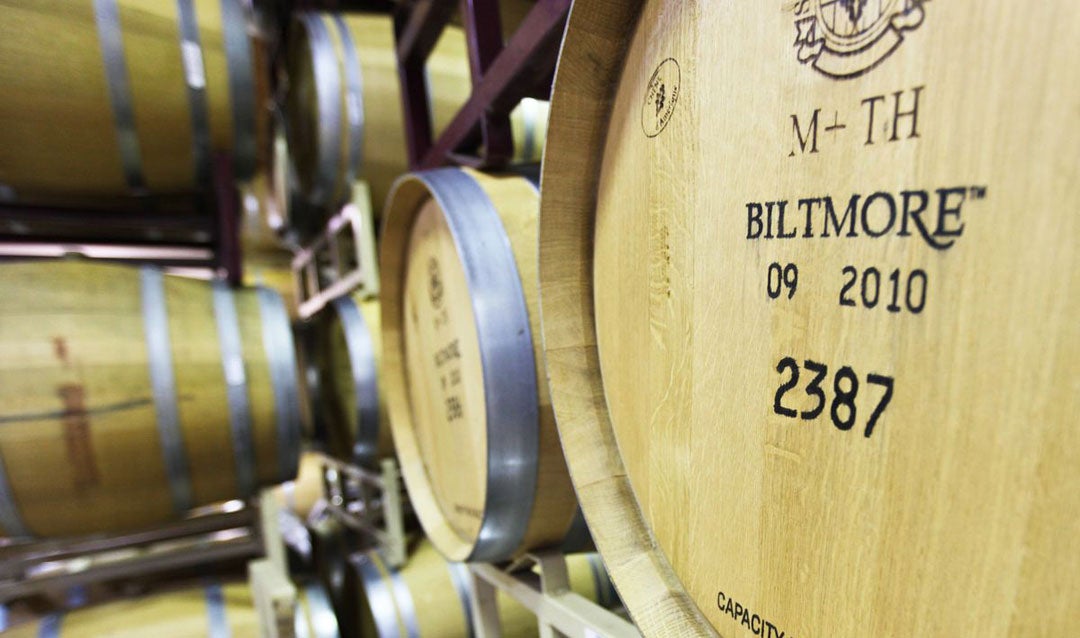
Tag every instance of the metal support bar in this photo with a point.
(369, 503)
(274, 596)
(510, 77)
(16, 558)
(271, 589)
(394, 548)
(417, 27)
(340, 259)
(227, 201)
(483, 32)
(236, 544)
(273, 544)
(559, 611)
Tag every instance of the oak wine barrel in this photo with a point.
(128, 98)
(314, 615)
(349, 353)
(808, 281)
(215, 609)
(344, 104)
(331, 544)
(429, 596)
(463, 374)
(127, 397)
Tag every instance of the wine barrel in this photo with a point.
(307, 341)
(314, 614)
(429, 596)
(805, 276)
(344, 101)
(344, 104)
(331, 545)
(129, 98)
(350, 347)
(212, 610)
(464, 380)
(127, 398)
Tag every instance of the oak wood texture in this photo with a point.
(437, 411)
(58, 141)
(80, 442)
(178, 614)
(957, 514)
(339, 402)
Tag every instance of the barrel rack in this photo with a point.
(192, 231)
(226, 533)
(341, 259)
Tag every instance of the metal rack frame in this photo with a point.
(347, 247)
(560, 613)
(370, 503)
(501, 75)
(152, 234)
(34, 567)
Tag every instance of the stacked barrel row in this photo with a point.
(344, 125)
(215, 609)
(796, 311)
(786, 354)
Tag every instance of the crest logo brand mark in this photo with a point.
(661, 95)
(846, 38)
(435, 283)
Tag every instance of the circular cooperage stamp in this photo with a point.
(661, 96)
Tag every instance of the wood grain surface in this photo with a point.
(58, 138)
(180, 614)
(79, 438)
(434, 373)
(807, 274)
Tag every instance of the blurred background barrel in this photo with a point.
(344, 102)
(212, 610)
(124, 97)
(464, 382)
(352, 407)
(314, 614)
(127, 398)
(429, 596)
(344, 105)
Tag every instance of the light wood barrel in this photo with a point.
(314, 614)
(331, 545)
(212, 610)
(344, 101)
(429, 596)
(808, 277)
(126, 98)
(350, 349)
(464, 376)
(127, 398)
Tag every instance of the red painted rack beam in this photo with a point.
(501, 75)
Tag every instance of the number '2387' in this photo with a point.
(843, 410)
